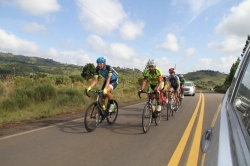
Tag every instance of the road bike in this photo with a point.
(180, 97)
(95, 113)
(171, 106)
(149, 113)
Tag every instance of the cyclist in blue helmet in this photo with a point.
(110, 80)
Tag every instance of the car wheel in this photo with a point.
(193, 94)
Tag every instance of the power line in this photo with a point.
(114, 27)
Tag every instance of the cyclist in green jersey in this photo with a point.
(182, 83)
(153, 75)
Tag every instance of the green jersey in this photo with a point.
(153, 79)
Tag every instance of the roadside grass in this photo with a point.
(23, 104)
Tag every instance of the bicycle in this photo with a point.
(149, 114)
(180, 97)
(94, 112)
(171, 104)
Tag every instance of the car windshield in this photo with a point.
(188, 84)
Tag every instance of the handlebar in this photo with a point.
(139, 93)
(96, 91)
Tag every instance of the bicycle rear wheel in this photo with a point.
(111, 117)
(146, 118)
(91, 117)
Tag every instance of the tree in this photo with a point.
(88, 71)
(246, 45)
(230, 77)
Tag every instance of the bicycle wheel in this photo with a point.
(111, 117)
(146, 118)
(91, 117)
(157, 118)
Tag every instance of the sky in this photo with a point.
(188, 35)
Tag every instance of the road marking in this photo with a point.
(175, 159)
(195, 147)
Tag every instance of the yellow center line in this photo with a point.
(195, 147)
(175, 159)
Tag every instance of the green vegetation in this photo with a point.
(33, 88)
(206, 79)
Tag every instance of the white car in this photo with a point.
(189, 88)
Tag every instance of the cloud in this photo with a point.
(112, 50)
(194, 7)
(204, 64)
(131, 30)
(225, 63)
(35, 7)
(108, 17)
(238, 15)
(11, 43)
(171, 43)
(34, 28)
(234, 28)
(190, 52)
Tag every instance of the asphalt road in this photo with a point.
(64, 141)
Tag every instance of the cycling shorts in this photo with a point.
(112, 84)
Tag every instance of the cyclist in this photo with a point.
(110, 82)
(174, 85)
(153, 75)
(165, 88)
(182, 84)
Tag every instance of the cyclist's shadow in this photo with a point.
(74, 127)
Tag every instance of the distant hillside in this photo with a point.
(206, 78)
(19, 65)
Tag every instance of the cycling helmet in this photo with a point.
(101, 60)
(151, 62)
(171, 70)
(181, 76)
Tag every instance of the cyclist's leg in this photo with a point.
(158, 98)
(111, 87)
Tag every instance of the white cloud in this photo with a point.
(230, 45)
(131, 30)
(234, 28)
(38, 7)
(190, 52)
(108, 17)
(195, 7)
(204, 64)
(34, 28)
(114, 50)
(11, 43)
(52, 52)
(35, 7)
(225, 63)
(236, 24)
(171, 43)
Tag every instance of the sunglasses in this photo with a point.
(171, 72)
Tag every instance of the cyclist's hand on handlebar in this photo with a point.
(105, 91)
(89, 88)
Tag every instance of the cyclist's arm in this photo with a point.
(94, 81)
(144, 83)
(158, 87)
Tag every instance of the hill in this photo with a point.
(19, 65)
(206, 78)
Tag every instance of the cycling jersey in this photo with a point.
(153, 79)
(173, 80)
(182, 81)
(104, 72)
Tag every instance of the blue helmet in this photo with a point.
(101, 60)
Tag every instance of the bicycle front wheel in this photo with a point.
(111, 117)
(146, 118)
(158, 118)
(91, 117)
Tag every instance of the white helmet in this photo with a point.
(151, 62)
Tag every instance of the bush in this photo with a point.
(44, 92)
(72, 93)
(23, 81)
(8, 104)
